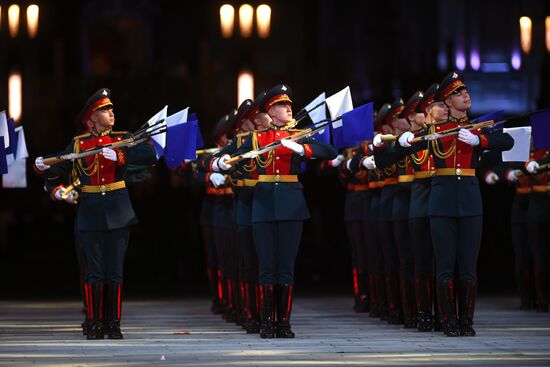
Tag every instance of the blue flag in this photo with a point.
(200, 140)
(357, 125)
(540, 124)
(495, 116)
(3, 160)
(181, 143)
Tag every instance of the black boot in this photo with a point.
(238, 290)
(374, 307)
(230, 312)
(382, 298)
(394, 308)
(360, 291)
(86, 291)
(267, 311)
(114, 310)
(447, 307)
(252, 319)
(95, 313)
(524, 281)
(425, 320)
(408, 303)
(284, 309)
(467, 302)
(541, 288)
(217, 307)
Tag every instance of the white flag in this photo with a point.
(338, 104)
(159, 139)
(4, 129)
(316, 109)
(522, 144)
(17, 168)
(177, 118)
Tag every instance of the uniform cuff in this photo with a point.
(308, 151)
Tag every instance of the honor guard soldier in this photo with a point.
(539, 220)
(104, 210)
(278, 207)
(454, 206)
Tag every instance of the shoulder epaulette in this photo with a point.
(85, 135)
(119, 132)
(240, 135)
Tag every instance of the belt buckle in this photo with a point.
(458, 171)
(432, 172)
(277, 178)
(102, 189)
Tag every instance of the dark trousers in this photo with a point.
(421, 243)
(456, 240)
(250, 257)
(404, 248)
(210, 247)
(227, 252)
(277, 246)
(105, 252)
(389, 249)
(375, 257)
(356, 236)
(522, 251)
(540, 244)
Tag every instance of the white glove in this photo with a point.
(109, 154)
(71, 198)
(532, 167)
(405, 139)
(219, 163)
(292, 145)
(467, 137)
(217, 179)
(39, 163)
(491, 178)
(336, 161)
(369, 163)
(512, 175)
(58, 192)
(377, 141)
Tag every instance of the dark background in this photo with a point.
(153, 53)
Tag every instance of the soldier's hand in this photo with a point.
(491, 178)
(39, 164)
(532, 167)
(336, 161)
(217, 179)
(512, 175)
(71, 198)
(369, 162)
(58, 194)
(467, 137)
(292, 145)
(109, 154)
(405, 139)
(377, 141)
(220, 165)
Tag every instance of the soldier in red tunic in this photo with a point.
(104, 209)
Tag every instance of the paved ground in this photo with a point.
(328, 334)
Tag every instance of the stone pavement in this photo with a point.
(328, 334)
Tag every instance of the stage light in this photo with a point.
(245, 85)
(15, 95)
(227, 20)
(13, 20)
(246, 17)
(547, 22)
(460, 61)
(32, 20)
(475, 62)
(525, 27)
(263, 20)
(516, 60)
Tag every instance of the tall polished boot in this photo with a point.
(252, 315)
(95, 313)
(374, 307)
(408, 303)
(467, 303)
(267, 311)
(394, 308)
(447, 307)
(524, 282)
(114, 295)
(425, 321)
(284, 309)
(230, 312)
(86, 290)
(382, 297)
(541, 290)
(216, 307)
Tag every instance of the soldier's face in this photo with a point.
(438, 111)
(417, 119)
(400, 124)
(261, 120)
(280, 113)
(103, 119)
(247, 125)
(460, 101)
